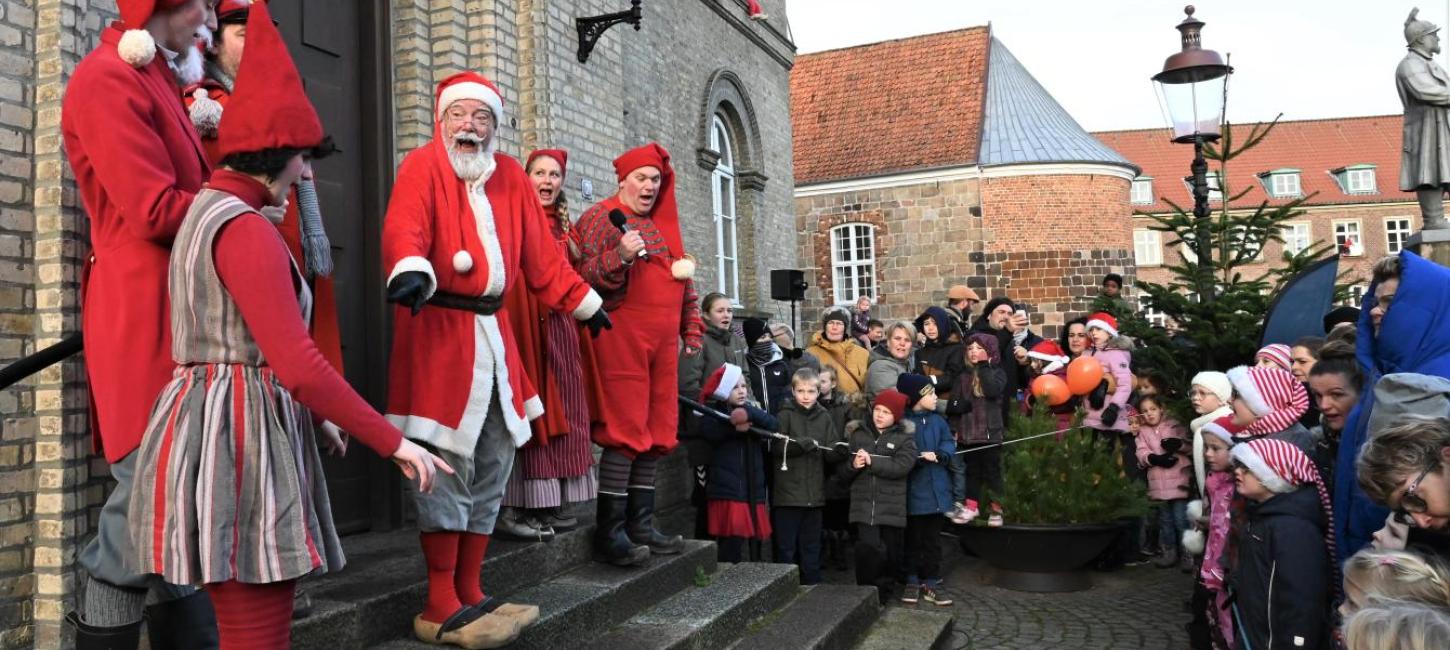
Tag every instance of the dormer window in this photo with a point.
(1142, 193)
(1356, 179)
(1215, 187)
(1282, 183)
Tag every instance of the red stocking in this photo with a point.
(440, 552)
(253, 617)
(469, 579)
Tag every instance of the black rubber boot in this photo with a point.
(125, 637)
(611, 544)
(641, 526)
(187, 623)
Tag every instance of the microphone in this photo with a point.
(616, 217)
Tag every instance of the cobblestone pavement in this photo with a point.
(1134, 607)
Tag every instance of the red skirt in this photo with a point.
(732, 519)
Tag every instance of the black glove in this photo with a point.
(1095, 398)
(1110, 415)
(1161, 460)
(1171, 445)
(598, 323)
(806, 444)
(792, 353)
(407, 289)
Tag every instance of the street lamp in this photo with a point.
(1191, 86)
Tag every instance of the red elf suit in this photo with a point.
(456, 380)
(655, 305)
(234, 497)
(138, 165)
(206, 108)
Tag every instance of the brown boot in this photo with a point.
(466, 629)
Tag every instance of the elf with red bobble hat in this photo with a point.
(644, 275)
(138, 165)
(463, 227)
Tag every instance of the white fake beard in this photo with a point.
(189, 66)
(469, 166)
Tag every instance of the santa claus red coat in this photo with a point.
(472, 240)
(138, 164)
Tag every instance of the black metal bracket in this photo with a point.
(592, 27)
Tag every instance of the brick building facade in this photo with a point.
(985, 181)
(699, 77)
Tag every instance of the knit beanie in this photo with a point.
(753, 328)
(1272, 394)
(1277, 353)
(1216, 383)
(988, 341)
(1282, 468)
(914, 387)
(893, 400)
(837, 314)
(993, 304)
(719, 384)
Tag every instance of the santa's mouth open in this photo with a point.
(467, 143)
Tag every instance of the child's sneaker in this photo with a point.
(930, 595)
(969, 511)
(958, 515)
(995, 520)
(911, 594)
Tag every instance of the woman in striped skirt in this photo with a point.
(556, 468)
(229, 491)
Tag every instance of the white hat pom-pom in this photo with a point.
(683, 268)
(137, 47)
(1195, 510)
(462, 262)
(1193, 542)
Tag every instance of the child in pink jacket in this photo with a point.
(1161, 451)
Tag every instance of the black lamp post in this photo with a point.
(1191, 86)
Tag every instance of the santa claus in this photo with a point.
(632, 251)
(138, 165)
(463, 226)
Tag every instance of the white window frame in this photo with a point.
(854, 263)
(1142, 191)
(1393, 243)
(727, 232)
(1215, 186)
(1147, 247)
(1285, 184)
(1358, 235)
(1289, 233)
(1364, 177)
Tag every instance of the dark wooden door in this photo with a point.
(323, 37)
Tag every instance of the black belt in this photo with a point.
(481, 305)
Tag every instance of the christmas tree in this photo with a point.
(1063, 479)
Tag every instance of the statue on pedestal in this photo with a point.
(1424, 89)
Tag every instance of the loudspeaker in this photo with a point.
(788, 284)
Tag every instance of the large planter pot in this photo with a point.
(1039, 557)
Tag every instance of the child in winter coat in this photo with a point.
(976, 409)
(719, 346)
(1107, 405)
(767, 371)
(1399, 575)
(861, 321)
(799, 497)
(735, 486)
(836, 518)
(1211, 596)
(1162, 452)
(942, 356)
(1268, 402)
(929, 492)
(883, 451)
(1209, 394)
(1283, 574)
(1047, 358)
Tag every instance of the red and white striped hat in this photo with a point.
(1272, 394)
(1282, 468)
(1277, 353)
(1103, 321)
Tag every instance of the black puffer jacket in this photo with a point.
(943, 357)
(1280, 580)
(803, 483)
(738, 463)
(719, 347)
(878, 490)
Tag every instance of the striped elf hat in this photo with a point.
(1274, 395)
(1283, 468)
(1225, 429)
(1277, 354)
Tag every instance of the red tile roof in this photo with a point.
(1314, 147)
(894, 106)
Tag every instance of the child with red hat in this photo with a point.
(735, 487)
(883, 451)
(1048, 358)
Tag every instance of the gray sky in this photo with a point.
(1305, 59)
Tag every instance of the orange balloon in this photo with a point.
(1083, 375)
(1051, 389)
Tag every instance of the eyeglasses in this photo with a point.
(1413, 503)
(479, 118)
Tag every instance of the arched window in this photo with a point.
(722, 189)
(853, 262)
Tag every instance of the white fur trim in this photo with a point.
(1195, 510)
(683, 269)
(462, 262)
(1102, 325)
(1255, 463)
(415, 263)
(1045, 357)
(728, 381)
(1053, 367)
(487, 234)
(1219, 432)
(1248, 390)
(533, 408)
(590, 304)
(470, 90)
(137, 48)
(1193, 542)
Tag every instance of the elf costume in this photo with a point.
(456, 379)
(654, 302)
(138, 165)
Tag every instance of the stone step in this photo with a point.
(708, 616)
(904, 628)
(823, 617)
(589, 599)
(383, 585)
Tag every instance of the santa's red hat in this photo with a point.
(1050, 352)
(268, 108)
(559, 155)
(136, 46)
(721, 382)
(468, 85)
(756, 11)
(1103, 321)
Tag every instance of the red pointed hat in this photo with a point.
(467, 85)
(559, 155)
(136, 13)
(268, 108)
(664, 212)
(1103, 321)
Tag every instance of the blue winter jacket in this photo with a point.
(929, 486)
(1412, 338)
